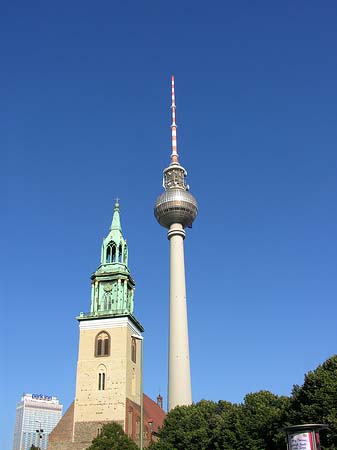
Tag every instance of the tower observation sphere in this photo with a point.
(175, 206)
(176, 209)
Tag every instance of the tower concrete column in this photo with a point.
(179, 388)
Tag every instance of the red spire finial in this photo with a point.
(174, 155)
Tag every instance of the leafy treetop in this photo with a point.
(112, 437)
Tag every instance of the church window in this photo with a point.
(102, 345)
(120, 253)
(137, 427)
(130, 420)
(107, 300)
(101, 381)
(111, 252)
(133, 350)
(106, 346)
(108, 254)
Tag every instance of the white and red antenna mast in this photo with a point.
(174, 154)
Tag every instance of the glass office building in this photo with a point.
(35, 412)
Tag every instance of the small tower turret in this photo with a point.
(114, 253)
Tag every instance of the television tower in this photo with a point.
(175, 209)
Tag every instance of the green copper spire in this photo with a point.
(112, 287)
(114, 248)
(116, 220)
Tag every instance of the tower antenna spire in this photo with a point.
(174, 154)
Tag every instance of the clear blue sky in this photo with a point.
(85, 117)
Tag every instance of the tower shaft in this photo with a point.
(179, 388)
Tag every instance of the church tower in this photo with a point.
(109, 379)
(108, 369)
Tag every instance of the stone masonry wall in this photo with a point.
(61, 438)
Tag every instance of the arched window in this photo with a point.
(107, 300)
(120, 253)
(110, 252)
(101, 377)
(102, 344)
(133, 350)
(137, 427)
(130, 420)
(101, 381)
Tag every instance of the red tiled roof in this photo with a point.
(153, 412)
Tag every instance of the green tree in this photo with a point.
(316, 401)
(255, 423)
(189, 427)
(252, 425)
(225, 434)
(262, 414)
(33, 447)
(112, 437)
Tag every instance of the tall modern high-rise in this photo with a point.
(36, 417)
(176, 209)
